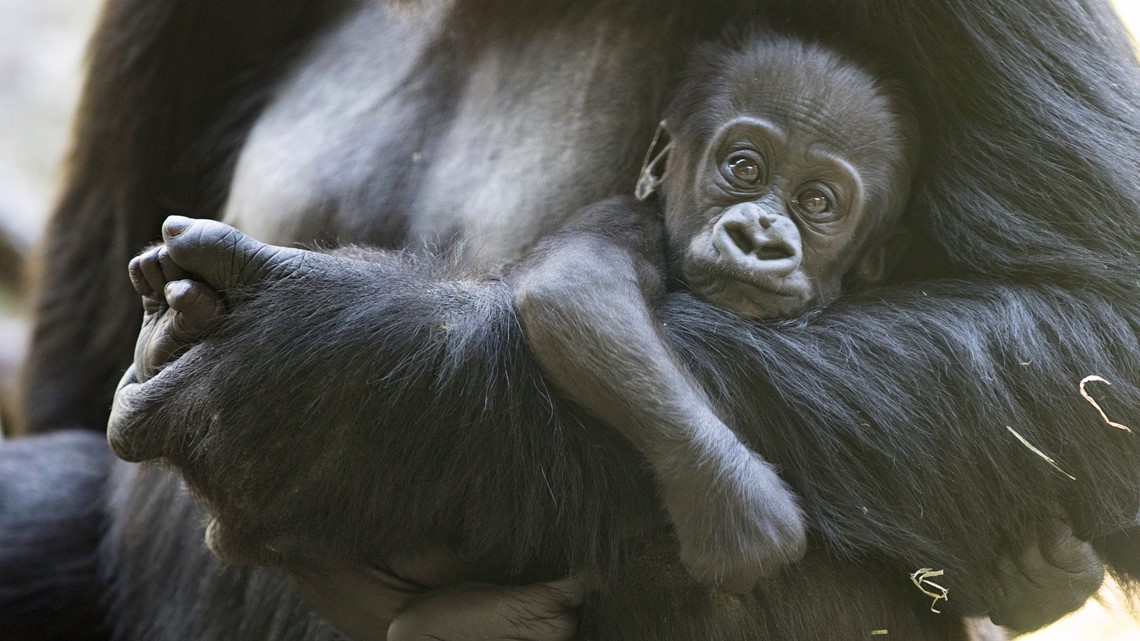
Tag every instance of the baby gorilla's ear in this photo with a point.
(872, 265)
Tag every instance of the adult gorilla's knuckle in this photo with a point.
(231, 237)
(265, 260)
(1087, 581)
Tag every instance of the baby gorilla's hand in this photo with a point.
(736, 520)
(177, 310)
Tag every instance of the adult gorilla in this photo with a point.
(482, 126)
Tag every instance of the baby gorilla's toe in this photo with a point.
(197, 306)
(151, 270)
(175, 320)
(223, 257)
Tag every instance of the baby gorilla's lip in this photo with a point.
(709, 273)
(746, 293)
(751, 299)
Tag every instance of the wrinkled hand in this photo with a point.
(185, 284)
(177, 310)
(374, 604)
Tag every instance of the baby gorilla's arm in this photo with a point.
(584, 298)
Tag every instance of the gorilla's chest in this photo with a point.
(394, 131)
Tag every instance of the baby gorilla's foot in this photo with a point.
(177, 310)
(226, 259)
(736, 520)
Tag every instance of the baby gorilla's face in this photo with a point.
(774, 217)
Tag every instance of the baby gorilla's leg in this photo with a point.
(180, 283)
(735, 518)
(177, 310)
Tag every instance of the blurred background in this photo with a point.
(41, 51)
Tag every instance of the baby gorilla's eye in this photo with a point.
(813, 202)
(744, 169)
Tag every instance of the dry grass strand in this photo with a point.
(1043, 455)
(921, 580)
(1099, 379)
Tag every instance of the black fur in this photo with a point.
(53, 515)
(1021, 281)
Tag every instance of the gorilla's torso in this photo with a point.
(396, 130)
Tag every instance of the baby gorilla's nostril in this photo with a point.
(740, 237)
(765, 249)
(775, 251)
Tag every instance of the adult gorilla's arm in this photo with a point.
(337, 398)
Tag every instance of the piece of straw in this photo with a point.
(921, 580)
(1038, 452)
(1097, 379)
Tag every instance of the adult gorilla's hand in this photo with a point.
(418, 598)
(1048, 580)
(475, 612)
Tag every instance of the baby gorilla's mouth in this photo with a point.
(770, 292)
(751, 300)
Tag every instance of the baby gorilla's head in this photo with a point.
(790, 167)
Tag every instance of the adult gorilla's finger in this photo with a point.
(479, 612)
(359, 602)
(131, 431)
(197, 305)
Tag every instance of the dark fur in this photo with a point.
(1026, 221)
(52, 508)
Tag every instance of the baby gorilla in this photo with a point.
(788, 170)
(789, 167)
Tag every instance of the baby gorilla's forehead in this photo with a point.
(838, 106)
(814, 94)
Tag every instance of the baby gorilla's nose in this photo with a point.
(758, 242)
(762, 248)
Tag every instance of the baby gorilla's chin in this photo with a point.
(758, 301)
